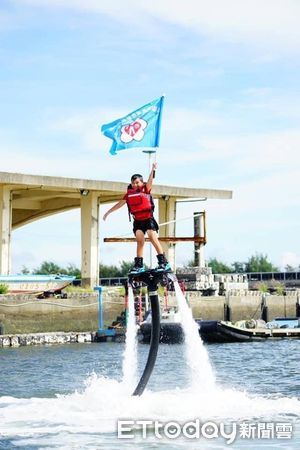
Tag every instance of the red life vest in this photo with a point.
(140, 203)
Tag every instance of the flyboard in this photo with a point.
(151, 278)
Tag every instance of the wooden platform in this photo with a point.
(198, 239)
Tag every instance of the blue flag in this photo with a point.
(141, 128)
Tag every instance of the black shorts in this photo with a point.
(144, 225)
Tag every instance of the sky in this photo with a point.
(230, 72)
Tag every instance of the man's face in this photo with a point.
(137, 183)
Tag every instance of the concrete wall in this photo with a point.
(79, 312)
(242, 306)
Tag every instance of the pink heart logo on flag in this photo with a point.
(132, 128)
(133, 131)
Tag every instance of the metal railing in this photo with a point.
(251, 276)
(279, 276)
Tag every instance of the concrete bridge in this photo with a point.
(26, 198)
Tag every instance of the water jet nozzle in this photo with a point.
(152, 278)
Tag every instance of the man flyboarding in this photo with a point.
(141, 206)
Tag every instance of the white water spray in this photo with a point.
(89, 417)
(130, 354)
(202, 375)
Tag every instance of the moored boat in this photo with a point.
(35, 284)
(171, 331)
(249, 330)
(221, 331)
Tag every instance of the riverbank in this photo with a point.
(21, 314)
(21, 340)
(25, 314)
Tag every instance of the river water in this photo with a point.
(71, 396)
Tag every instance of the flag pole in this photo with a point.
(150, 153)
(153, 151)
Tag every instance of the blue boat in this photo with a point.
(35, 284)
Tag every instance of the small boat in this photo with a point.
(249, 330)
(222, 331)
(171, 331)
(35, 284)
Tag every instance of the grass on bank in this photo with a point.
(3, 288)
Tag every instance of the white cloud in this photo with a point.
(188, 120)
(129, 12)
(258, 151)
(88, 158)
(274, 22)
(269, 103)
(190, 139)
(234, 20)
(251, 157)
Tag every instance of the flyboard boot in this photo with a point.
(138, 266)
(163, 264)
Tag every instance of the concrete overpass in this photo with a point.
(26, 198)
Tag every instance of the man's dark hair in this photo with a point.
(135, 176)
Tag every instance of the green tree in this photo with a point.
(48, 267)
(238, 267)
(25, 270)
(219, 266)
(259, 263)
(73, 270)
(111, 271)
(106, 271)
(125, 267)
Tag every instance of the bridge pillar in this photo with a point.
(89, 240)
(167, 212)
(5, 230)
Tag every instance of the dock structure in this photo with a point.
(25, 198)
